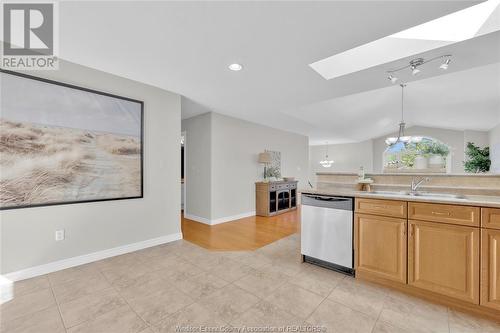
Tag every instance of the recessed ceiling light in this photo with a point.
(235, 67)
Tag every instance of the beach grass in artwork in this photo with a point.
(49, 163)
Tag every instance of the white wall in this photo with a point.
(494, 141)
(222, 164)
(479, 138)
(235, 147)
(27, 235)
(347, 157)
(197, 158)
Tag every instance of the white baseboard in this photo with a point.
(232, 218)
(87, 258)
(197, 218)
(218, 220)
(6, 290)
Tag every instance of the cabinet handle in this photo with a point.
(411, 230)
(441, 213)
(404, 229)
(380, 207)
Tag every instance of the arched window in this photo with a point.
(421, 154)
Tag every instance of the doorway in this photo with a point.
(183, 172)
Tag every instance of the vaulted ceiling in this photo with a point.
(185, 47)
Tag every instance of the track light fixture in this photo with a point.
(415, 66)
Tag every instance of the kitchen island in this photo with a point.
(444, 247)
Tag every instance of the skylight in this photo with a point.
(464, 24)
(454, 27)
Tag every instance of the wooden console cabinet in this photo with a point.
(274, 198)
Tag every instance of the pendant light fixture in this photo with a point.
(326, 163)
(401, 133)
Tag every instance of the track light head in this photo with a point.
(414, 64)
(392, 78)
(444, 65)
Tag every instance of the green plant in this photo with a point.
(478, 159)
(408, 157)
(273, 171)
(421, 148)
(435, 148)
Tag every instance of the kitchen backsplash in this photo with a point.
(480, 184)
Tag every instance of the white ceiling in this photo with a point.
(462, 25)
(185, 47)
(450, 101)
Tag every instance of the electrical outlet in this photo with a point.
(59, 235)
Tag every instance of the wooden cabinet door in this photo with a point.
(444, 259)
(380, 246)
(490, 268)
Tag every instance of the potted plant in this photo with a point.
(421, 161)
(437, 153)
(478, 160)
(273, 173)
(422, 158)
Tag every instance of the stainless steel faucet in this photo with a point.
(415, 184)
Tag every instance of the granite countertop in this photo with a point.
(430, 174)
(469, 200)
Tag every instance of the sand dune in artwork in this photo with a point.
(42, 164)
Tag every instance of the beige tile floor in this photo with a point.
(178, 284)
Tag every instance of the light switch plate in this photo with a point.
(59, 235)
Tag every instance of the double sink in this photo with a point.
(422, 194)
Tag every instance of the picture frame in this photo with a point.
(120, 149)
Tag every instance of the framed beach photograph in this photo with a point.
(62, 144)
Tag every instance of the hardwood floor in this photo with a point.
(249, 233)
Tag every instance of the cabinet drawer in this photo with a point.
(490, 218)
(391, 208)
(453, 214)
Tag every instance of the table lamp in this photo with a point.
(265, 158)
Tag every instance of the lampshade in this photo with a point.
(265, 157)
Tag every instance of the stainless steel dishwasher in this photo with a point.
(327, 231)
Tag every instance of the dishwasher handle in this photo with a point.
(322, 198)
(315, 200)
